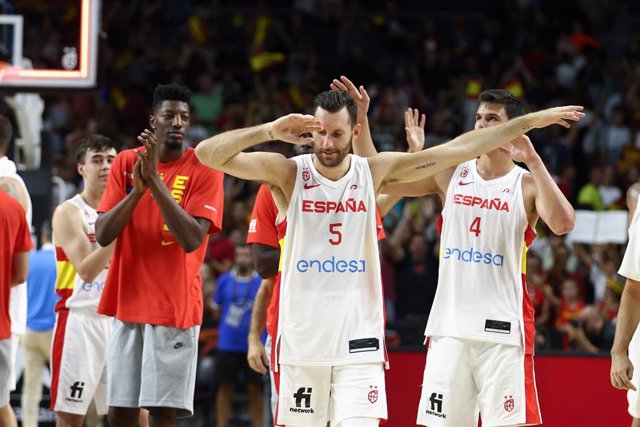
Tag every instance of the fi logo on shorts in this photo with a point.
(76, 392)
(303, 394)
(435, 401)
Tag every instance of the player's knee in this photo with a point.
(359, 422)
(163, 416)
(123, 417)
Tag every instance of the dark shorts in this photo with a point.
(232, 368)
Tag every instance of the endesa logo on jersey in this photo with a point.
(482, 203)
(331, 265)
(329, 206)
(97, 285)
(473, 256)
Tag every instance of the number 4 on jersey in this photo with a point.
(475, 226)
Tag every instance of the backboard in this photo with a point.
(48, 44)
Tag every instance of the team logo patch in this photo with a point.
(464, 172)
(303, 401)
(306, 175)
(75, 392)
(508, 403)
(373, 394)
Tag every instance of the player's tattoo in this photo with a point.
(426, 165)
(527, 127)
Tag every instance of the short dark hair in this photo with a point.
(170, 92)
(93, 142)
(334, 101)
(512, 105)
(6, 130)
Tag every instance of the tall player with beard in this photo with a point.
(266, 235)
(330, 339)
(480, 331)
(161, 204)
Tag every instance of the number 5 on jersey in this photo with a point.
(337, 234)
(475, 226)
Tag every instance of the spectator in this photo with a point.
(568, 308)
(207, 102)
(610, 304)
(589, 196)
(234, 297)
(610, 193)
(41, 318)
(591, 332)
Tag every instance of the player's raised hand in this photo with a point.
(359, 95)
(295, 128)
(139, 184)
(414, 128)
(149, 158)
(621, 372)
(520, 149)
(557, 115)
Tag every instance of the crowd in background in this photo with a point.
(248, 63)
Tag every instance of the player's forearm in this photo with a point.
(259, 312)
(386, 202)
(109, 225)
(19, 268)
(465, 147)
(628, 317)
(95, 262)
(219, 149)
(188, 232)
(267, 264)
(553, 207)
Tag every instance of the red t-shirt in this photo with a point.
(151, 278)
(568, 312)
(262, 228)
(15, 237)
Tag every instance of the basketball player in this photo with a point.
(81, 334)
(480, 330)
(330, 336)
(625, 352)
(15, 187)
(15, 244)
(266, 235)
(161, 204)
(264, 225)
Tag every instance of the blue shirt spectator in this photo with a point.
(234, 296)
(41, 289)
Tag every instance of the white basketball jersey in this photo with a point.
(18, 297)
(481, 291)
(83, 295)
(331, 306)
